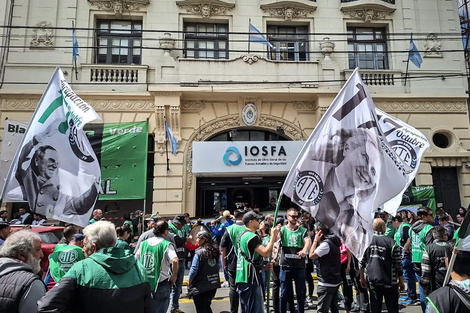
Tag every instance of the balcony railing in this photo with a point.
(118, 74)
(387, 1)
(378, 79)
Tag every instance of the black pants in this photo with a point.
(377, 295)
(309, 278)
(327, 299)
(347, 289)
(203, 301)
(233, 293)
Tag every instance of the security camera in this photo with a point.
(467, 165)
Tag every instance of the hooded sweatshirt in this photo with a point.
(110, 280)
(420, 236)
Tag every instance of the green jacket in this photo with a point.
(110, 280)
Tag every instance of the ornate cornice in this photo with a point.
(287, 13)
(425, 107)
(272, 123)
(305, 106)
(195, 106)
(368, 15)
(122, 105)
(19, 104)
(206, 8)
(118, 6)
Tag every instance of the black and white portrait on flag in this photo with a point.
(347, 169)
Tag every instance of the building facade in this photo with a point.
(190, 61)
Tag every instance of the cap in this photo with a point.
(250, 216)
(154, 217)
(226, 213)
(77, 237)
(179, 219)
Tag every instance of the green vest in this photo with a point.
(132, 228)
(234, 231)
(151, 257)
(178, 232)
(399, 231)
(418, 243)
(390, 230)
(292, 241)
(242, 264)
(62, 259)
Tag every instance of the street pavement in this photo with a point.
(221, 303)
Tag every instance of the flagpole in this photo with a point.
(408, 61)
(166, 147)
(249, 34)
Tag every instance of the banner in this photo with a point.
(347, 168)
(55, 168)
(121, 149)
(417, 196)
(12, 136)
(409, 144)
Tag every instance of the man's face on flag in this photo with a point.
(361, 159)
(48, 163)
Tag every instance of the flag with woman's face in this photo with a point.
(347, 168)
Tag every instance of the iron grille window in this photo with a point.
(290, 43)
(206, 41)
(367, 48)
(119, 42)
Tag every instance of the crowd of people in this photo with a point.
(140, 265)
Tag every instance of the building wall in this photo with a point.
(293, 95)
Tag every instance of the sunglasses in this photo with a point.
(294, 216)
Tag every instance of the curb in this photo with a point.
(186, 282)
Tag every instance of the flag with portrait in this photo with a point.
(347, 168)
(55, 169)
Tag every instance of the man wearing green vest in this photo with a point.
(229, 245)
(176, 228)
(97, 215)
(295, 243)
(160, 260)
(250, 263)
(420, 236)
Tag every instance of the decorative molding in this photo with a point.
(42, 35)
(122, 105)
(167, 93)
(195, 106)
(206, 9)
(292, 131)
(19, 104)
(432, 47)
(250, 58)
(305, 106)
(368, 15)
(446, 161)
(425, 107)
(118, 6)
(288, 13)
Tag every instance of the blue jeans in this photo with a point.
(251, 299)
(161, 297)
(410, 278)
(286, 276)
(176, 290)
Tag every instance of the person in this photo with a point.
(63, 258)
(176, 228)
(159, 257)
(229, 249)
(325, 249)
(136, 224)
(68, 233)
(420, 236)
(460, 218)
(401, 237)
(204, 273)
(441, 212)
(462, 211)
(433, 266)
(308, 222)
(25, 217)
(123, 233)
(272, 205)
(346, 279)
(5, 231)
(381, 266)
(444, 222)
(3, 216)
(187, 228)
(38, 219)
(390, 230)
(108, 280)
(40, 183)
(20, 286)
(128, 222)
(455, 297)
(249, 263)
(263, 232)
(97, 216)
(295, 243)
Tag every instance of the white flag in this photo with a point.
(347, 169)
(55, 169)
(12, 136)
(409, 144)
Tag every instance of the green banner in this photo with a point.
(121, 149)
(419, 195)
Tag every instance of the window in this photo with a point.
(290, 43)
(206, 41)
(367, 48)
(119, 42)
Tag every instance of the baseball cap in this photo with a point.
(77, 237)
(251, 215)
(154, 217)
(179, 219)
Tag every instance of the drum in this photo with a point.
(196, 229)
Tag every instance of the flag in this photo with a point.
(257, 36)
(55, 169)
(347, 168)
(173, 141)
(409, 144)
(413, 54)
(75, 45)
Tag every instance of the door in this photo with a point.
(446, 188)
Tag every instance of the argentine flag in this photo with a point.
(413, 54)
(257, 36)
(173, 141)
